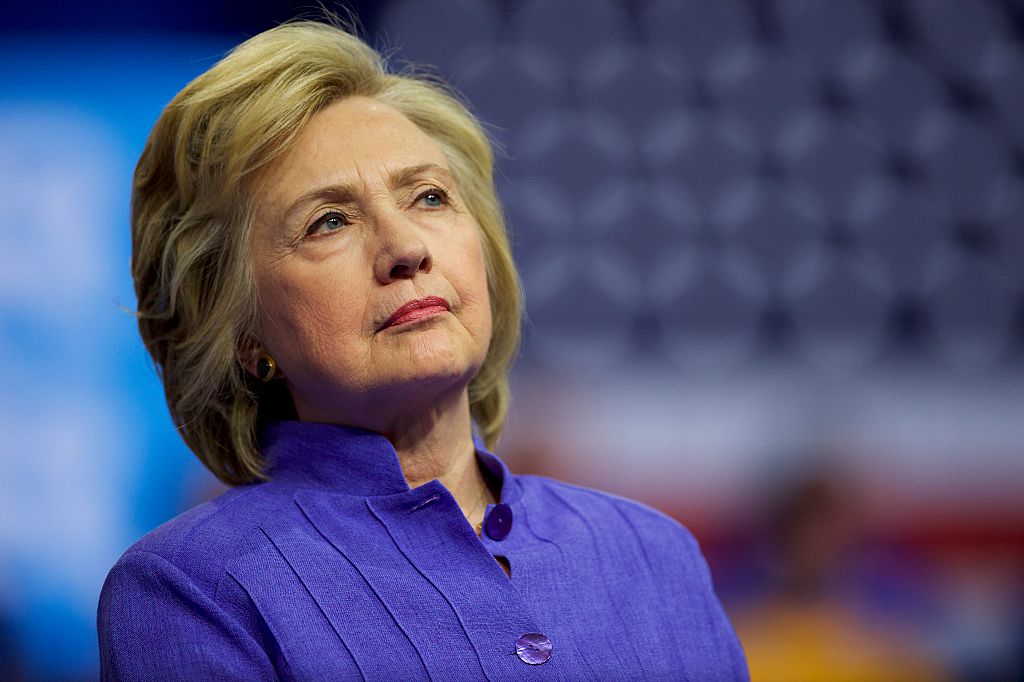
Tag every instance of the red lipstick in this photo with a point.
(416, 310)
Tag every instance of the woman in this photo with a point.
(326, 285)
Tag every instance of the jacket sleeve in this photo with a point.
(724, 632)
(155, 624)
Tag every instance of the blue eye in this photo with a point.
(328, 222)
(434, 198)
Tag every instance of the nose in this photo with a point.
(402, 252)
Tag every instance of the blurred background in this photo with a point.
(772, 253)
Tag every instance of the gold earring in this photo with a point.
(266, 368)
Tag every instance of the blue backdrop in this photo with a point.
(84, 428)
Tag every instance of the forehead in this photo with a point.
(356, 140)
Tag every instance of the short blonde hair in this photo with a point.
(192, 217)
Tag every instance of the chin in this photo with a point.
(441, 371)
(435, 368)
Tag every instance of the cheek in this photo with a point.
(475, 293)
(304, 316)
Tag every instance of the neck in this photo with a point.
(438, 443)
(433, 439)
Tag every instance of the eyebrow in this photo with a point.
(347, 192)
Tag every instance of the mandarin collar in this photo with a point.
(350, 460)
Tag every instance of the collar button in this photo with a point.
(498, 522)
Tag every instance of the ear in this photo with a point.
(248, 355)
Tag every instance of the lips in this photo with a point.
(414, 311)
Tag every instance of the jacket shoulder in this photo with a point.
(154, 621)
(611, 515)
(203, 540)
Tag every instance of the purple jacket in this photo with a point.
(336, 570)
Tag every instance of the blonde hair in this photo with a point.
(192, 217)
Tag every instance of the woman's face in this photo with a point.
(369, 269)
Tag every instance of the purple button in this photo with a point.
(498, 522)
(533, 648)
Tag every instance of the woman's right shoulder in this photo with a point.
(201, 541)
(167, 611)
